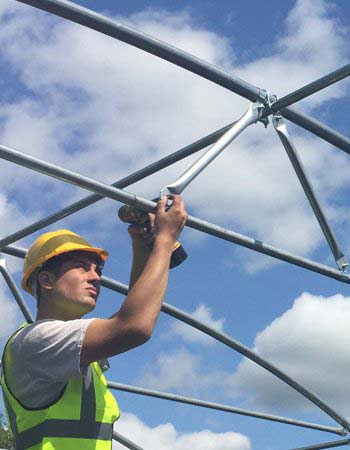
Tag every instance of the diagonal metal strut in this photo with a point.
(287, 142)
(251, 116)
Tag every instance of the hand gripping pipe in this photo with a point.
(148, 206)
(223, 338)
(251, 116)
(104, 25)
(124, 182)
(287, 142)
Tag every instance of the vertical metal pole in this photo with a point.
(15, 291)
(252, 115)
(287, 142)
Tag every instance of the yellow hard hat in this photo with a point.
(52, 244)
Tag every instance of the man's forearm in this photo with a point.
(145, 297)
(139, 260)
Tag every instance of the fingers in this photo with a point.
(161, 205)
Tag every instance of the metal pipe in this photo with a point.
(240, 348)
(319, 129)
(261, 247)
(221, 407)
(146, 205)
(287, 142)
(14, 290)
(126, 442)
(73, 178)
(228, 341)
(249, 117)
(124, 182)
(91, 19)
(98, 22)
(325, 445)
(311, 88)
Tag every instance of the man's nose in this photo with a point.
(94, 275)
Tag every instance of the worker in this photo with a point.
(54, 391)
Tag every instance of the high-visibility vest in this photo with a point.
(81, 418)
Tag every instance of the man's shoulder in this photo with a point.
(46, 330)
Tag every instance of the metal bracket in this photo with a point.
(252, 115)
(267, 100)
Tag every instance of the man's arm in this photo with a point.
(133, 324)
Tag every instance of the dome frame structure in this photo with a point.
(263, 105)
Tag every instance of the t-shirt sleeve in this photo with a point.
(50, 349)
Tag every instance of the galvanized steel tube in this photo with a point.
(146, 205)
(249, 117)
(126, 442)
(221, 407)
(325, 445)
(240, 348)
(102, 24)
(311, 88)
(124, 182)
(14, 290)
(287, 142)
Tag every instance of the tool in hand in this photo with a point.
(133, 215)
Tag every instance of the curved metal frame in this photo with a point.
(269, 105)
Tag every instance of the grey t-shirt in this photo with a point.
(45, 355)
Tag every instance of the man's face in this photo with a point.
(77, 286)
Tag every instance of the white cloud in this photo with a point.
(311, 45)
(187, 333)
(310, 342)
(102, 108)
(166, 437)
(183, 372)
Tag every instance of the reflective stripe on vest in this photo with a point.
(85, 428)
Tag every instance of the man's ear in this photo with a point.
(46, 279)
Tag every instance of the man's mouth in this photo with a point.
(92, 291)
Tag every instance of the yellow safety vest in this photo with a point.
(81, 418)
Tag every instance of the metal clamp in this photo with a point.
(267, 100)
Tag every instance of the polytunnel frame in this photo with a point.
(267, 105)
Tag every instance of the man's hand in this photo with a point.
(169, 220)
(164, 227)
(142, 235)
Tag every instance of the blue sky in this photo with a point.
(103, 109)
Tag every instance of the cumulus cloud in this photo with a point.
(104, 109)
(189, 378)
(310, 343)
(187, 333)
(166, 437)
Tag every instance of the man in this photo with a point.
(54, 391)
